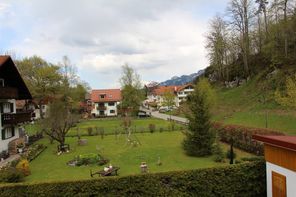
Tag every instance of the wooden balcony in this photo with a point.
(8, 93)
(17, 118)
(101, 108)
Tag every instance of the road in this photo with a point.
(156, 114)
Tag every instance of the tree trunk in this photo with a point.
(285, 28)
(246, 36)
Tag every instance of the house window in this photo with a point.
(279, 188)
(7, 108)
(1, 82)
(102, 96)
(111, 104)
(7, 133)
(112, 111)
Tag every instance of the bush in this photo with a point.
(246, 179)
(23, 166)
(90, 131)
(4, 155)
(88, 159)
(34, 150)
(218, 152)
(152, 128)
(242, 136)
(10, 175)
(160, 129)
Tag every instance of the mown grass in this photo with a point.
(165, 146)
(110, 126)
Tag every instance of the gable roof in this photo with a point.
(111, 95)
(12, 77)
(286, 142)
(160, 90)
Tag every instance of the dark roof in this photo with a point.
(286, 142)
(12, 77)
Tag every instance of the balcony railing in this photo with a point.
(8, 93)
(19, 117)
(101, 108)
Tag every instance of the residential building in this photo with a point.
(12, 87)
(180, 92)
(105, 102)
(280, 156)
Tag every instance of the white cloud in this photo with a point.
(158, 38)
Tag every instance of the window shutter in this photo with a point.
(11, 107)
(3, 134)
(12, 131)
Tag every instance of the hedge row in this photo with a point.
(246, 179)
(242, 136)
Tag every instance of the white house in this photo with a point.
(12, 87)
(280, 156)
(105, 102)
(180, 92)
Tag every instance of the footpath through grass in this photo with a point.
(166, 146)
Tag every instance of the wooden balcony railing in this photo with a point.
(19, 117)
(101, 108)
(8, 93)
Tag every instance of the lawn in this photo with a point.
(165, 145)
(110, 126)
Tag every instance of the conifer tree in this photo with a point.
(199, 137)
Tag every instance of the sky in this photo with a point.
(158, 38)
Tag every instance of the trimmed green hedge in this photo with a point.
(247, 179)
(242, 136)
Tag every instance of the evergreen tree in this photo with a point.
(199, 137)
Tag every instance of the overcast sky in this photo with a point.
(159, 38)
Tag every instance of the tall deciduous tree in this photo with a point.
(217, 46)
(241, 13)
(59, 121)
(131, 90)
(169, 100)
(199, 137)
(42, 78)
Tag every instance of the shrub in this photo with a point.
(152, 128)
(34, 150)
(90, 131)
(10, 175)
(218, 152)
(88, 159)
(4, 155)
(23, 166)
(242, 136)
(246, 179)
(160, 129)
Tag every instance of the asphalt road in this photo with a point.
(156, 114)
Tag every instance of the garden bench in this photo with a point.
(110, 172)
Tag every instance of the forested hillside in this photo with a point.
(252, 53)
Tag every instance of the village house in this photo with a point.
(105, 102)
(31, 105)
(280, 156)
(180, 92)
(12, 87)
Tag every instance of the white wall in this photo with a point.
(107, 111)
(4, 143)
(290, 179)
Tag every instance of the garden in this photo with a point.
(162, 151)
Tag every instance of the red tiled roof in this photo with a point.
(162, 89)
(110, 95)
(286, 142)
